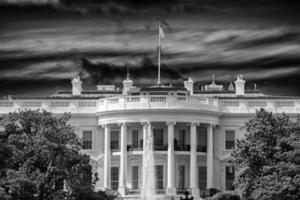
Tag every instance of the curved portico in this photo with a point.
(169, 123)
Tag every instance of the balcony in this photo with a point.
(85, 105)
(182, 147)
(134, 147)
(163, 147)
(201, 148)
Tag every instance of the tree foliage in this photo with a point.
(39, 155)
(268, 159)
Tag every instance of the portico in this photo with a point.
(172, 140)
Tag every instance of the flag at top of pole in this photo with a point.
(161, 32)
(161, 35)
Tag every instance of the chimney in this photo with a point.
(240, 86)
(127, 84)
(76, 86)
(189, 85)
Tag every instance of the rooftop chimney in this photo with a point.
(240, 86)
(189, 85)
(127, 84)
(76, 86)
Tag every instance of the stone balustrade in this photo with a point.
(238, 105)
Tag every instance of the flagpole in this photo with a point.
(158, 78)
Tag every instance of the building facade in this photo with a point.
(194, 131)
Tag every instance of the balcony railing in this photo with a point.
(240, 105)
(201, 148)
(183, 147)
(163, 147)
(134, 148)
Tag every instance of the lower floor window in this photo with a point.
(135, 177)
(202, 177)
(181, 177)
(159, 177)
(114, 178)
(229, 176)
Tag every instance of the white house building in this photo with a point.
(194, 131)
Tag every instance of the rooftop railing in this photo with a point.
(238, 105)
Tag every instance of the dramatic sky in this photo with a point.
(44, 43)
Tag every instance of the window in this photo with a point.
(114, 142)
(202, 177)
(181, 177)
(87, 139)
(181, 137)
(201, 139)
(229, 170)
(159, 178)
(114, 178)
(229, 139)
(135, 138)
(135, 177)
(59, 184)
(158, 137)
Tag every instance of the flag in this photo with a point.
(161, 32)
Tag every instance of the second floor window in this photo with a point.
(181, 137)
(158, 137)
(114, 143)
(87, 139)
(229, 139)
(135, 138)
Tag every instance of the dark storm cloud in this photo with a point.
(49, 42)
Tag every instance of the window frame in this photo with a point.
(225, 139)
(135, 177)
(114, 183)
(91, 142)
(227, 188)
(159, 182)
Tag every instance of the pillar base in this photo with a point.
(195, 192)
(122, 191)
(171, 191)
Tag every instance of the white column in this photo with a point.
(106, 157)
(210, 157)
(193, 162)
(171, 189)
(122, 177)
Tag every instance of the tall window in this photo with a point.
(202, 138)
(181, 137)
(229, 177)
(135, 177)
(202, 177)
(229, 139)
(158, 137)
(114, 141)
(87, 139)
(159, 177)
(181, 177)
(114, 178)
(135, 138)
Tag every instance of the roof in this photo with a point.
(223, 91)
(261, 97)
(92, 92)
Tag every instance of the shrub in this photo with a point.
(226, 196)
(213, 191)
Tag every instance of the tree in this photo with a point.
(268, 159)
(40, 154)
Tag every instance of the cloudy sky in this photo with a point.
(44, 43)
